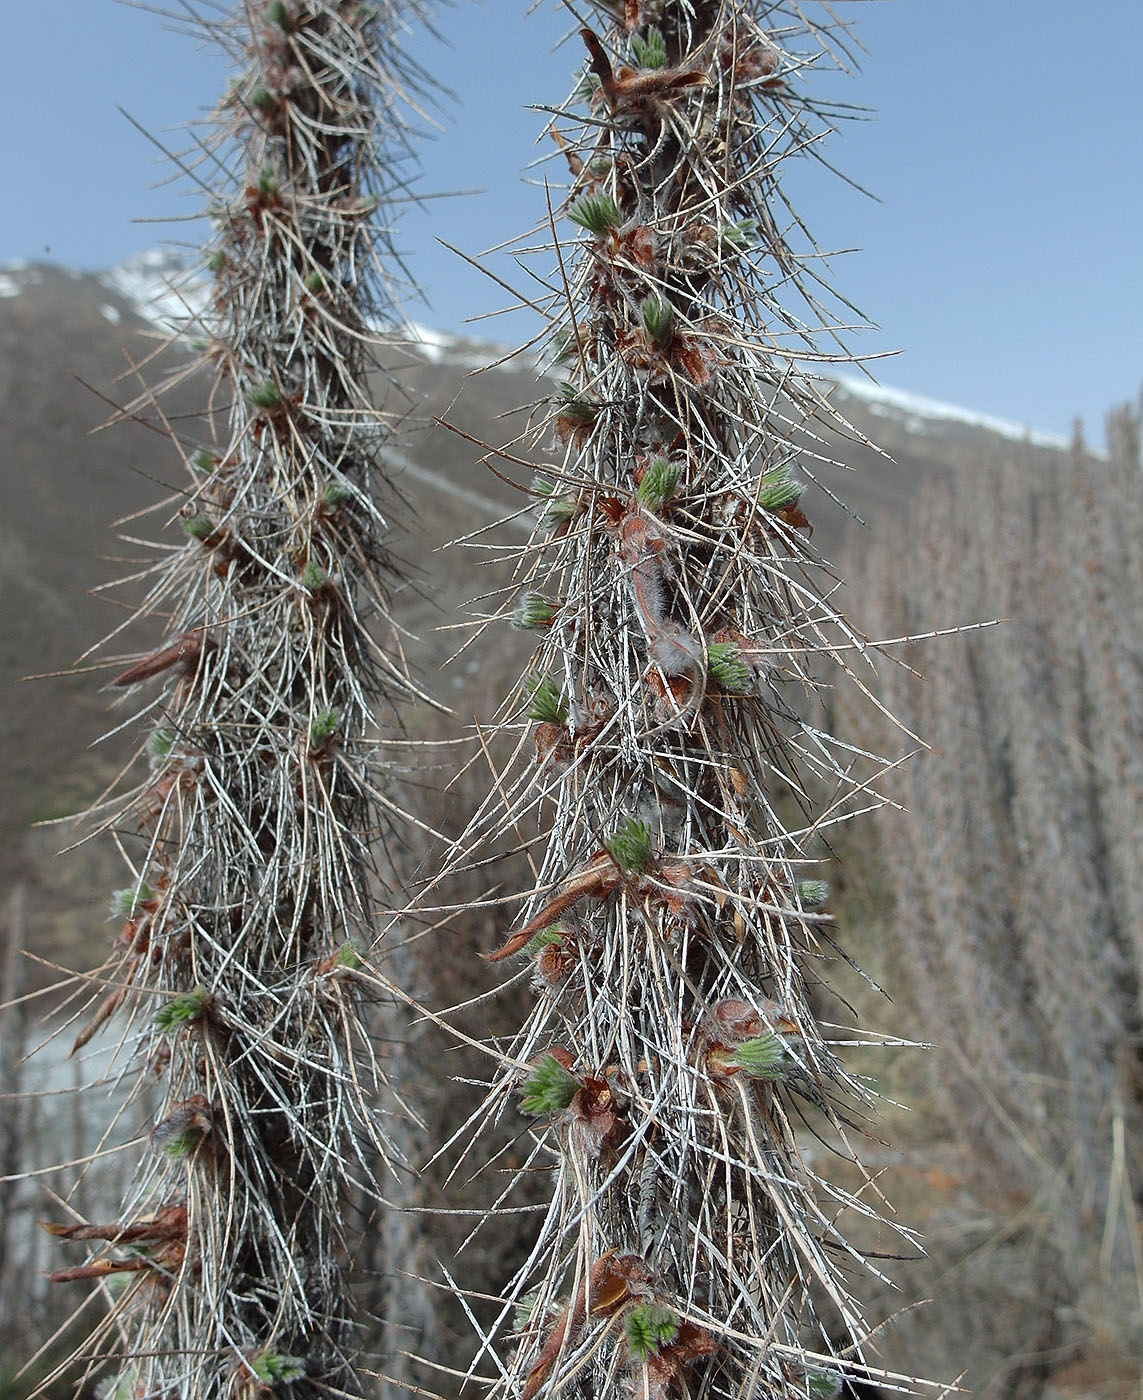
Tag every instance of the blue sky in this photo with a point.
(1003, 259)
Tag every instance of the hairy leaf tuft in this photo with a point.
(181, 1010)
(650, 52)
(125, 902)
(534, 613)
(778, 489)
(550, 1088)
(823, 1383)
(325, 726)
(813, 894)
(265, 395)
(160, 742)
(739, 236)
(273, 1368)
(648, 1327)
(727, 669)
(658, 483)
(598, 213)
(630, 846)
(658, 320)
(763, 1057)
(547, 705)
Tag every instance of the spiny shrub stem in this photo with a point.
(688, 1248)
(238, 961)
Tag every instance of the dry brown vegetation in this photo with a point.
(1012, 908)
(1005, 912)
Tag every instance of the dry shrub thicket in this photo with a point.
(1017, 885)
(666, 780)
(659, 1203)
(256, 827)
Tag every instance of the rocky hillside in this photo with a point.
(71, 345)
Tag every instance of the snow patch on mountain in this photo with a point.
(172, 294)
(161, 287)
(917, 413)
(438, 346)
(431, 345)
(16, 275)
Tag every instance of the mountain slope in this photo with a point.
(64, 486)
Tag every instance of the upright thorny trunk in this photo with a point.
(676, 927)
(250, 903)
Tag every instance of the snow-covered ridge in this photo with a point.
(16, 275)
(162, 287)
(465, 352)
(916, 412)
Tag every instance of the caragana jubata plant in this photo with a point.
(673, 1081)
(257, 830)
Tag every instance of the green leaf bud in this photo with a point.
(336, 494)
(272, 1367)
(562, 347)
(181, 1010)
(561, 509)
(349, 956)
(544, 939)
(739, 236)
(658, 320)
(598, 213)
(277, 13)
(573, 407)
(546, 705)
(762, 1057)
(658, 483)
(526, 1307)
(216, 261)
(312, 577)
(650, 52)
(199, 527)
(268, 182)
(778, 489)
(125, 902)
(122, 1386)
(315, 282)
(813, 894)
(324, 727)
(265, 395)
(204, 461)
(822, 1383)
(727, 669)
(630, 846)
(184, 1128)
(263, 100)
(586, 88)
(534, 613)
(548, 1089)
(648, 1328)
(160, 743)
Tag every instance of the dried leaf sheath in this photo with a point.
(681, 773)
(251, 907)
